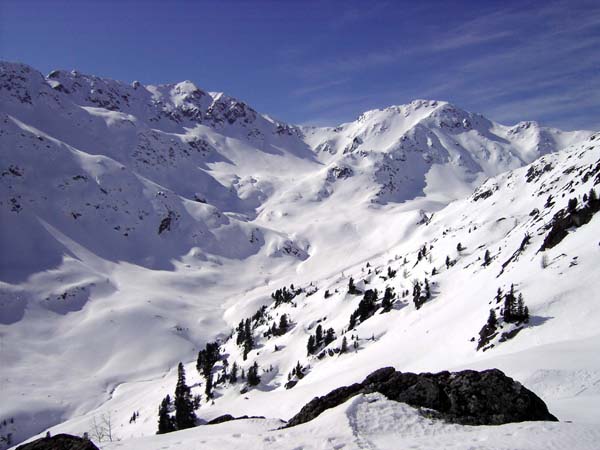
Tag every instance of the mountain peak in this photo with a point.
(166, 214)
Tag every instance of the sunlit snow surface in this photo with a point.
(97, 307)
(373, 422)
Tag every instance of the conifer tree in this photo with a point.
(240, 333)
(351, 286)
(352, 322)
(247, 347)
(318, 336)
(253, 377)
(299, 371)
(247, 328)
(310, 346)
(207, 358)
(572, 204)
(184, 407)
(386, 302)
(509, 304)
(233, 373)
(417, 295)
(487, 258)
(520, 307)
(208, 387)
(427, 289)
(165, 421)
(329, 337)
(447, 262)
(197, 400)
(248, 339)
(344, 348)
(283, 324)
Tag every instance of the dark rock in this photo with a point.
(566, 219)
(165, 224)
(319, 404)
(509, 334)
(229, 418)
(290, 384)
(59, 442)
(221, 419)
(468, 397)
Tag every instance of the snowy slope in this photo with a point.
(371, 421)
(410, 147)
(140, 222)
(554, 354)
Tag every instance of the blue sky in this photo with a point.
(325, 62)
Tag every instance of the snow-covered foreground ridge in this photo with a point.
(141, 222)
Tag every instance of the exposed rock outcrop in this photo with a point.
(468, 397)
(228, 418)
(59, 442)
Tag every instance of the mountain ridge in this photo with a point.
(161, 223)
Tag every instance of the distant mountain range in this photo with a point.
(141, 222)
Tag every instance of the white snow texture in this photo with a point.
(140, 222)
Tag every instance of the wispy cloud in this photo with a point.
(356, 14)
(310, 89)
(470, 33)
(572, 107)
(513, 63)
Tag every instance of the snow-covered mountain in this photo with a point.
(141, 222)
